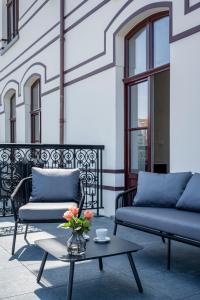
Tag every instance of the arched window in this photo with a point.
(35, 112)
(12, 19)
(147, 56)
(13, 119)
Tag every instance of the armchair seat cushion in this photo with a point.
(44, 210)
(182, 223)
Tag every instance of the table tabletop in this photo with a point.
(57, 247)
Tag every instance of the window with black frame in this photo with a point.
(13, 119)
(12, 19)
(35, 112)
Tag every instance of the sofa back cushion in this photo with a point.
(160, 190)
(55, 184)
(190, 199)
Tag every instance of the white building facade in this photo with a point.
(129, 72)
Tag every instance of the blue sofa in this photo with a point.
(167, 205)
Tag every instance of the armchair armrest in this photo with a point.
(20, 195)
(125, 198)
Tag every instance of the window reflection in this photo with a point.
(161, 42)
(137, 52)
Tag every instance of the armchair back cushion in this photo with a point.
(190, 199)
(160, 190)
(55, 185)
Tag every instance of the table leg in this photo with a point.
(100, 264)
(135, 273)
(42, 266)
(71, 278)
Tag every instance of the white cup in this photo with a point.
(101, 233)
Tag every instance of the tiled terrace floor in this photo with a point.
(18, 273)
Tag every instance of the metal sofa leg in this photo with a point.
(169, 254)
(14, 238)
(115, 229)
(26, 231)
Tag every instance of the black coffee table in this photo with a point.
(57, 248)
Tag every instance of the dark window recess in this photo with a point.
(36, 112)
(12, 19)
(13, 119)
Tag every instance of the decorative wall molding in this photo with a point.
(29, 47)
(35, 13)
(88, 14)
(29, 8)
(189, 8)
(76, 8)
(9, 86)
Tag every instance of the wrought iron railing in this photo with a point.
(16, 161)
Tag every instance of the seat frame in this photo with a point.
(125, 199)
(21, 196)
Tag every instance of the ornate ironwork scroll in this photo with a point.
(16, 161)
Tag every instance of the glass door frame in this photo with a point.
(133, 80)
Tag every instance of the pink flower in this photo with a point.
(68, 215)
(74, 211)
(88, 214)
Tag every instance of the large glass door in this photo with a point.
(147, 56)
(138, 130)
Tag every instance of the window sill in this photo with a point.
(9, 45)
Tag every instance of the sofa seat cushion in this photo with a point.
(44, 210)
(170, 220)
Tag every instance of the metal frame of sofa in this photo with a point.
(21, 196)
(125, 199)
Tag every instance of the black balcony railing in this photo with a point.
(16, 161)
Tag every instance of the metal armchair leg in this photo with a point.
(115, 229)
(14, 238)
(42, 266)
(26, 231)
(169, 254)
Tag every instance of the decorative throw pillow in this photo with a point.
(160, 190)
(190, 199)
(54, 184)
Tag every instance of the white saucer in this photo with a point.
(97, 240)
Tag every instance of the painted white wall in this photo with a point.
(185, 104)
(94, 111)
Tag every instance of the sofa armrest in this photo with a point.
(20, 195)
(125, 198)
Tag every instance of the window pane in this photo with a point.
(13, 107)
(138, 105)
(37, 128)
(138, 151)
(161, 42)
(138, 52)
(13, 132)
(35, 96)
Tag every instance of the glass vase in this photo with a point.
(76, 244)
